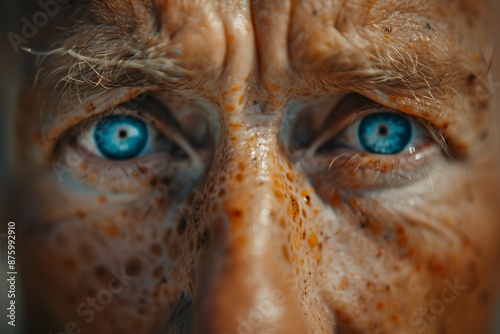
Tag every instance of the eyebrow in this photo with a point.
(99, 63)
(438, 79)
(110, 44)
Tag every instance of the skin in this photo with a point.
(254, 232)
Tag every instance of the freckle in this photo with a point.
(230, 108)
(336, 199)
(102, 274)
(285, 253)
(304, 213)
(303, 235)
(143, 170)
(241, 100)
(69, 265)
(396, 318)
(90, 107)
(295, 208)
(483, 298)
(101, 199)
(236, 213)
(289, 176)
(355, 203)
(370, 286)
(344, 318)
(239, 178)
(133, 267)
(112, 231)
(380, 306)
(436, 268)
(313, 240)
(37, 137)
(279, 196)
(236, 88)
(343, 284)
(81, 214)
(156, 250)
(134, 174)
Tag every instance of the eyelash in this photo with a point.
(115, 175)
(349, 168)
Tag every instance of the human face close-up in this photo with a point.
(259, 167)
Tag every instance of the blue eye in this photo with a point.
(121, 138)
(385, 133)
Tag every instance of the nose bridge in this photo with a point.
(242, 286)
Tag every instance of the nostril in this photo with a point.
(181, 319)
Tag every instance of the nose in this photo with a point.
(245, 283)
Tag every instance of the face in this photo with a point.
(260, 166)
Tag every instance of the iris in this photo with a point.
(385, 133)
(121, 137)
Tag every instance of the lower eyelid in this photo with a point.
(345, 168)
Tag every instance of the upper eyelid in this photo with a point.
(344, 120)
(166, 125)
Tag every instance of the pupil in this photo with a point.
(383, 130)
(122, 134)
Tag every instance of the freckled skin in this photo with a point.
(252, 235)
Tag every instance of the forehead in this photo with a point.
(208, 37)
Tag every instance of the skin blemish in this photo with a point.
(69, 265)
(90, 107)
(80, 214)
(156, 250)
(112, 231)
(133, 267)
(37, 137)
(313, 240)
(294, 207)
(343, 284)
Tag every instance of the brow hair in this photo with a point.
(409, 53)
(107, 47)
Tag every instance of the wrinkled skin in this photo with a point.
(252, 231)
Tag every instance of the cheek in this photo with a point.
(386, 257)
(114, 268)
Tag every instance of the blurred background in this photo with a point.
(11, 13)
